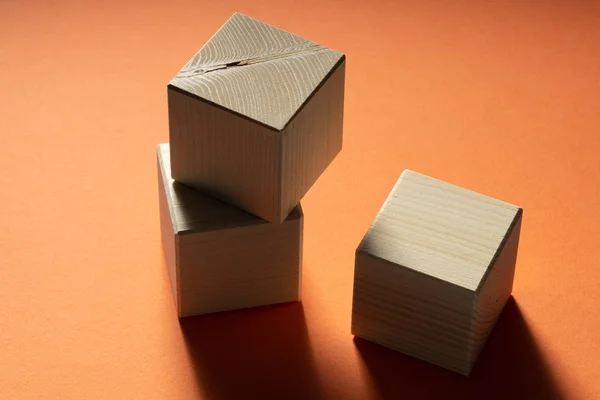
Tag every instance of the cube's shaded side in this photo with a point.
(312, 139)
(495, 291)
(167, 230)
(224, 154)
(298, 214)
(240, 267)
(410, 312)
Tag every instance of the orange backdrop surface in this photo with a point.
(499, 97)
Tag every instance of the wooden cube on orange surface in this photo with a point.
(255, 117)
(222, 258)
(435, 270)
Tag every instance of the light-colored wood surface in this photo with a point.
(434, 271)
(312, 140)
(411, 312)
(255, 117)
(257, 70)
(221, 258)
(439, 229)
(224, 154)
(494, 291)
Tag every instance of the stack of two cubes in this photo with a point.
(255, 117)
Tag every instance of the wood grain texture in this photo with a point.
(495, 290)
(256, 116)
(222, 258)
(439, 229)
(224, 155)
(257, 70)
(434, 271)
(312, 140)
(411, 312)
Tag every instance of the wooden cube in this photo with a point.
(222, 258)
(255, 117)
(434, 271)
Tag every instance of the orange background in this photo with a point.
(499, 97)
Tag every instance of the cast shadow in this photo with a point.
(255, 353)
(510, 366)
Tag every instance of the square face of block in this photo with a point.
(256, 70)
(256, 116)
(222, 258)
(434, 271)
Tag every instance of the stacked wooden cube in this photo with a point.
(255, 117)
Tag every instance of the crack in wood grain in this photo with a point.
(248, 61)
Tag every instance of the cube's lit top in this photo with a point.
(256, 70)
(193, 211)
(440, 229)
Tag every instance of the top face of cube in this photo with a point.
(440, 230)
(193, 212)
(256, 70)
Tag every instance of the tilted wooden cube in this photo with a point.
(435, 270)
(255, 117)
(222, 258)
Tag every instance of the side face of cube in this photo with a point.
(241, 267)
(410, 312)
(312, 139)
(495, 290)
(224, 154)
(167, 230)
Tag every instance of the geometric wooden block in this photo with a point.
(255, 117)
(222, 258)
(434, 271)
